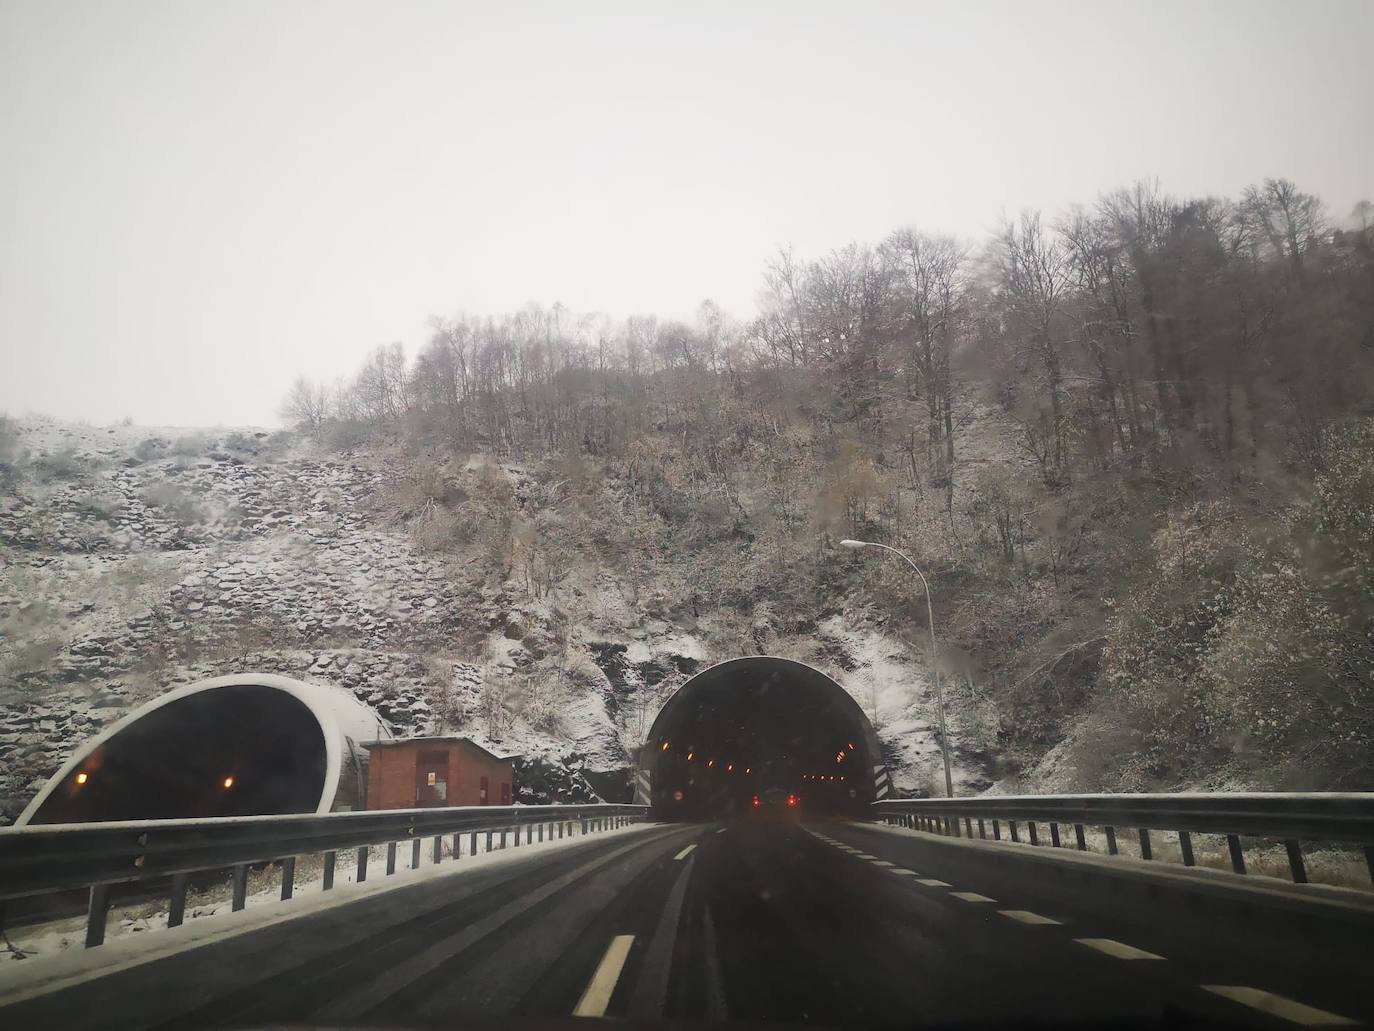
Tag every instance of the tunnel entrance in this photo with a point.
(239, 750)
(758, 726)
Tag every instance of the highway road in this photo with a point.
(778, 922)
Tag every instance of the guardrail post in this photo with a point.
(1145, 851)
(996, 830)
(1054, 834)
(474, 841)
(529, 833)
(362, 864)
(239, 879)
(415, 854)
(458, 845)
(1111, 840)
(1034, 838)
(1295, 861)
(1237, 856)
(176, 905)
(1078, 836)
(982, 832)
(561, 826)
(439, 850)
(1185, 845)
(968, 826)
(97, 909)
(288, 877)
(328, 871)
(504, 832)
(390, 858)
(1011, 824)
(584, 826)
(541, 833)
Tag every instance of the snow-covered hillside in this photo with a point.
(135, 559)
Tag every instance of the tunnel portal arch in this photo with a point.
(754, 723)
(250, 744)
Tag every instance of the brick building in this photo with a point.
(436, 771)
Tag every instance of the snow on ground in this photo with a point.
(899, 699)
(54, 953)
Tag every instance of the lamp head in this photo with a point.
(853, 544)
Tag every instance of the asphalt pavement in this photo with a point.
(763, 921)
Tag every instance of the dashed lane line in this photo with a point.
(931, 882)
(884, 862)
(971, 896)
(602, 985)
(1278, 1006)
(722, 830)
(1116, 949)
(1025, 916)
(906, 873)
(685, 852)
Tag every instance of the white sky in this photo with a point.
(199, 200)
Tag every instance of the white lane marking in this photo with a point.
(1025, 916)
(865, 855)
(685, 852)
(971, 896)
(1278, 1006)
(602, 985)
(1116, 949)
(883, 862)
(906, 873)
(722, 830)
(931, 882)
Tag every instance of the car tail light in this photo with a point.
(791, 799)
(756, 801)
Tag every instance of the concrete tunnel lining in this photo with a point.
(309, 734)
(800, 693)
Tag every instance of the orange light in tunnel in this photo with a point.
(851, 746)
(228, 783)
(710, 762)
(689, 756)
(82, 777)
(665, 745)
(748, 769)
(729, 767)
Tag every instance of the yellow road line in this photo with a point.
(602, 985)
(1278, 1006)
(1116, 949)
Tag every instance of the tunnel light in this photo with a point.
(665, 745)
(82, 777)
(748, 769)
(851, 746)
(228, 783)
(839, 757)
(710, 763)
(729, 767)
(689, 756)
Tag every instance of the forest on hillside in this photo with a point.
(1132, 445)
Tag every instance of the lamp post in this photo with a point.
(934, 664)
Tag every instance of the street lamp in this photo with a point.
(934, 664)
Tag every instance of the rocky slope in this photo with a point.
(135, 559)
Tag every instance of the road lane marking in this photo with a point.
(722, 830)
(906, 873)
(864, 855)
(685, 852)
(1116, 949)
(883, 862)
(1025, 916)
(971, 896)
(931, 882)
(602, 985)
(1278, 1006)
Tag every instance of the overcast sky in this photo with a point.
(198, 201)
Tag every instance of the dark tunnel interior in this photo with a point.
(765, 728)
(240, 750)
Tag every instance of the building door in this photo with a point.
(431, 778)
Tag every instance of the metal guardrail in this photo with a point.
(1345, 818)
(43, 859)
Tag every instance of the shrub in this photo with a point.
(175, 502)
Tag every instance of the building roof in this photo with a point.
(467, 742)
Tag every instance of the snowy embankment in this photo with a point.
(43, 954)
